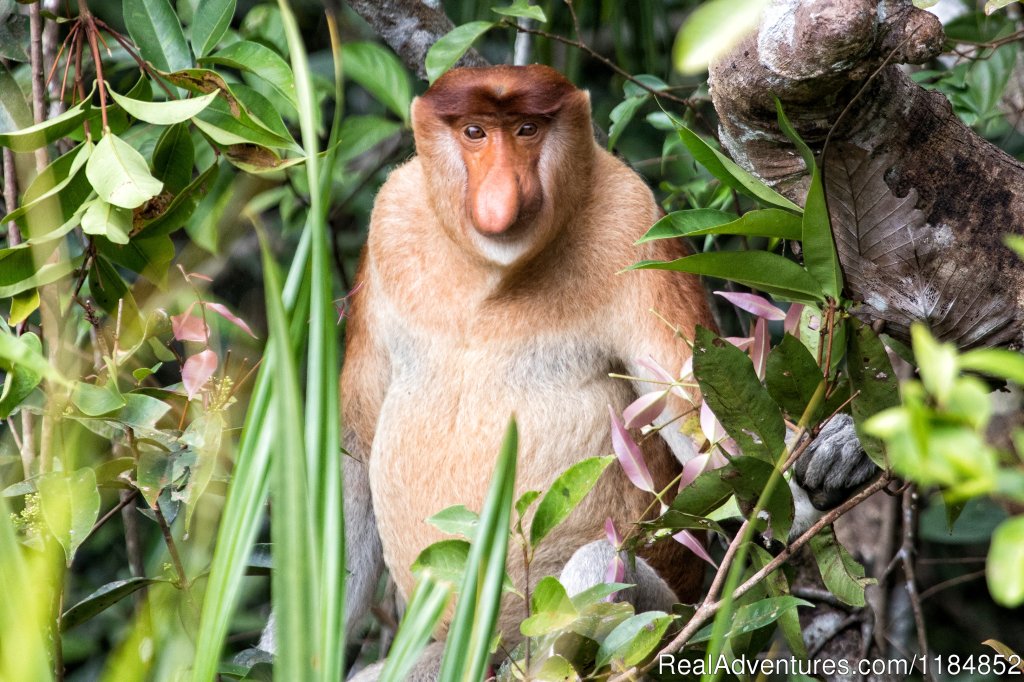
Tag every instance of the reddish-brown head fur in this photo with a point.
(505, 131)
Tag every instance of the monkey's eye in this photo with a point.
(474, 132)
(527, 130)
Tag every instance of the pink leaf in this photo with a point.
(615, 573)
(690, 542)
(692, 469)
(205, 278)
(652, 366)
(612, 533)
(714, 431)
(759, 350)
(197, 371)
(753, 304)
(792, 323)
(629, 455)
(741, 342)
(223, 311)
(645, 409)
(185, 327)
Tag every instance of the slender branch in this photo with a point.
(172, 547)
(906, 554)
(84, 15)
(124, 501)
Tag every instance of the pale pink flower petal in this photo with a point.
(741, 342)
(223, 311)
(629, 455)
(615, 573)
(187, 327)
(759, 349)
(792, 323)
(645, 409)
(690, 542)
(687, 370)
(692, 469)
(197, 371)
(612, 533)
(652, 366)
(754, 304)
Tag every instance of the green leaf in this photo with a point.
(754, 616)
(522, 8)
(174, 157)
(455, 520)
(697, 222)
(937, 362)
(843, 576)
(95, 401)
(445, 560)
(41, 134)
(102, 599)
(621, 115)
(732, 390)
(260, 61)
(767, 272)
(25, 352)
(21, 378)
(732, 175)
(23, 305)
(47, 274)
(1015, 242)
(1005, 364)
(449, 49)
(556, 669)
(113, 222)
(381, 73)
(872, 375)
(106, 285)
(119, 174)
(704, 494)
(14, 108)
(164, 113)
(218, 123)
(551, 609)
(427, 606)
(565, 494)
(203, 437)
(260, 112)
(212, 19)
(177, 213)
(70, 504)
(792, 376)
(155, 29)
(142, 411)
(633, 639)
(713, 29)
(597, 593)
(752, 479)
(1005, 566)
(359, 134)
(149, 257)
(777, 585)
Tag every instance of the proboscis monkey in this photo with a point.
(488, 287)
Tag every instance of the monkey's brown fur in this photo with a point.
(450, 333)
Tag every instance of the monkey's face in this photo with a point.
(498, 146)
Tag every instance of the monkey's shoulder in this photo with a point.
(622, 206)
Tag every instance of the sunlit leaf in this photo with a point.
(71, 504)
(712, 30)
(155, 29)
(119, 174)
(212, 19)
(381, 73)
(565, 494)
(522, 8)
(261, 61)
(113, 222)
(197, 370)
(449, 49)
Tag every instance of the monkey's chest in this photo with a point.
(445, 413)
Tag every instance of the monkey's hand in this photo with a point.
(835, 465)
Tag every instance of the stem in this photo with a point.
(165, 529)
(84, 15)
(906, 554)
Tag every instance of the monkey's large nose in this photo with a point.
(496, 204)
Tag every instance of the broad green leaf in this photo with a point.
(41, 134)
(1005, 364)
(704, 494)
(697, 222)
(14, 108)
(455, 520)
(381, 73)
(621, 116)
(565, 494)
(634, 639)
(777, 585)
(25, 352)
(792, 376)
(551, 609)
(260, 61)
(732, 390)
(103, 598)
(362, 133)
(1005, 566)
(174, 157)
(449, 49)
(150, 257)
(95, 401)
(525, 501)
(21, 377)
(106, 285)
(713, 29)
(556, 669)
(178, 212)
(936, 361)
(203, 437)
(732, 175)
(54, 195)
(47, 274)
(164, 113)
(212, 19)
(522, 8)
(142, 411)
(217, 122)
(113, 222)
(750, 617)
(1015, 242)
(70, 504)
(597, 593)
(260, 112)
(204, 224)
(155, 30)
(843, 576)
(750, 478)
(767, 272)
(873, 383)
(445, 560)
(119, 174)
(23, 305)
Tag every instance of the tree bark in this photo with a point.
(919, 203)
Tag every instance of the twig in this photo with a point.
(124, 501)
(91, 32)
(952, 582)
(906, 555)
(165, 529)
